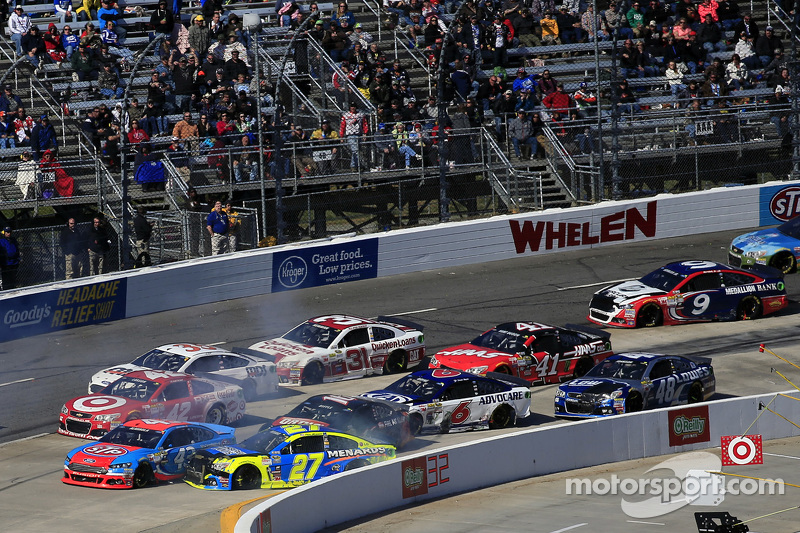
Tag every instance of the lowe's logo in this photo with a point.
(292, 272)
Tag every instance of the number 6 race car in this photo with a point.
(334, 347)
(630, 382)
(690, 291)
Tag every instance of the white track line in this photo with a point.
(415, 312)
(18, 381)
(648, 523)
(24, 439)
(576, 526)
(594, 284)
(779, 455)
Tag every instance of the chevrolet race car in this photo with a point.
(690, 291)
(443, 400)
(140, 451)
(152, 394)
(375, 420)
(283, 457)
(776, 247)
(629, 382)
(335, 347)
(535, 352)
(255, 375)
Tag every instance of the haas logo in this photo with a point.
(785, 204)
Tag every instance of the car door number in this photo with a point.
(547, 366)
(305, 466)
(179, 411)
(666, 390)
(700, 304)
(461, 413)
(356, 359)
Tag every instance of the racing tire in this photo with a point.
(785, 262)
(750, 308)
(246, 477)
(352, 465)
(502, 370)
(696, 392)
(649, 316)
(134, 416)
(249, 390)
(502, 417)
(583, 365)
(415, 424)
(634, 403)
(313, 373)
(446, 424)
(396, 362)
(216, 415)
(142, 476)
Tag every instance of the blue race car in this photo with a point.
(442, 400)
(776, 247)
(630, 382)
(139, 451)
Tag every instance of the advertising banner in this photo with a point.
(324, 265)
(690, 425)
(778, 204)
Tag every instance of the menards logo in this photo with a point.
(413, 477)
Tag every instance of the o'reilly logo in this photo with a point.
(292, 272)
(413, 477)
(683, 425)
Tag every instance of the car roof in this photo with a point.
(528, 327)
(159, 376)
(445, 374)
(294, 429)
(158, 425)
(683, 269)
(189, 349)
(637, 356)
(341, 322)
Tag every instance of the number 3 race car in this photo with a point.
(256, 376)
(334, 347)
(443, 400)
(152, 394)
(283, 457)
(629, 382)
(139, 451)
(535, 352)
(690, 291)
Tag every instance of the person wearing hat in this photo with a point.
(523, 81)
(520, 132)
(780, 108)
(9, 259)
(9, 102)
(110, 12)
(84, 64)
(766, 45)
(569, 26)
(359, 35)
(18, 26)
(747, 51)
(773, 67)
(317, 31)
(585, 101)
(162, 20)
(504, 108)
(550, 30)
(183, 81)
(199, 36)
(354, 128)
(33, 47)
(43, 137)
(235, 66)
(558, 101)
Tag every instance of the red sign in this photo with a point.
(689, 425)
(740, 450)
(415, 479)
(785, 204)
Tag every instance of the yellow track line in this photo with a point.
(230, 515)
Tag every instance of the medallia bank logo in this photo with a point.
(292, 272)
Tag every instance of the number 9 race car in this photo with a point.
(690, 291)
(630, 382)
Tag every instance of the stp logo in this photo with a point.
(785, 204)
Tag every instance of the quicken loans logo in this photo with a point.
(292, 272)
(683, 425)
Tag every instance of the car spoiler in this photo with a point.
(699, 359)
(511, 380)
(253, 353)
(605, 335)
(765, 271)
(401, 321)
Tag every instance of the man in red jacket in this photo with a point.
(558, 101)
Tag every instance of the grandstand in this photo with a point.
(633, 141)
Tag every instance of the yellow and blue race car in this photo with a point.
(283, 457)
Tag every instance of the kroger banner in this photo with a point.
(324, 265)
(778, 204)
(57, 309)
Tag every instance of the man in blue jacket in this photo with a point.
(217, 226)
(9, 259)
(43, 137)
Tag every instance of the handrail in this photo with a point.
(413, 53)
(503, 191)
(288, 82)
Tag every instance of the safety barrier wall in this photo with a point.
(122, 295)
(510, 457)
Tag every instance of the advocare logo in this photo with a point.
(292, 272)
(785, 204)
(413, 477)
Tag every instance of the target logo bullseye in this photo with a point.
(93, 404)
(742, 450)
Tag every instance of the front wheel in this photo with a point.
(246, 477)
(396, 362)
(785, 262)
(649, 316)
(216, 415)
(142, 476)
(313, 373)
(415, 424)
(583, 365)
(634, 403)
(502, 417)
(696, 392)
(750, 308)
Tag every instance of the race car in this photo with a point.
(283, 457)
(535, 352)
(255, 375)
(152, 394)
(690, 291)
(443, 400)
(335, 347)
(630, 382)
(776, 247)
(140, 451)
(375, 420)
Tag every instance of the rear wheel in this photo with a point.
(142, 476)
(246, 477)
(750, 308)
(502, 370)
(249, 389)
(313, 373)
(502, 417)
(396, 362)
(649, 316)
(785, 262)
(216, 415)
(696, 392)
(583, 365)
(634, 403)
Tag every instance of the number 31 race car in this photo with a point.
(690, 291)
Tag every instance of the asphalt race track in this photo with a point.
(453, 304)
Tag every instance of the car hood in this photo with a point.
(95, 404)
(282, 349)
(297, 421)
(218, 452)
(390, 396)
(466, 356)
(627, 291)
(112, 374)
(102, 454)
(758, 240)
(594, 385)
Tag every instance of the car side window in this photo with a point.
(459, 390)
(546, 343)
(661, 369)
(201, 387)
(734, 279)
(179, 437)
(308, 444)
(338, 442)
(489, 387)
(232, 361)
(208, 363)
(381, 334)
(703, 282)
(176, 391)
(569, 340)
(201, 434)
(681, 365)
(356, 337)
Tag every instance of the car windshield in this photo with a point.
(412, 385)
(791, 228)
(329, 412)
(264, 441)
(503, 340)
(132, 388)
(618, 368)
(160, 360)
(312, 334)
(663, 278)
(139, 437)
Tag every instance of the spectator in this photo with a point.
(594, 26)
(780, 108)
(778, 62)
(225, 126)
(23, 126)
(675, 74)
(99, 244)
(235, 66)
(186, 132)
(490, 91)
(143, 230)
(83, 64)
(728, 14)
(300, 144)
(585, 100)
(26, 176)
(9, 102)
(52, 45)
(569, 26)
(627, 101)
(749, 27)
(461, 81)
(695, 114)
(183, 78)
(558, 101)
(715, 66)
(616, 19)
(110, 39)
(199, 36)
(110, 12)
(217, 224)
(694, 53)
(386, 148)
(234, 225)
(162, 20)
(154, 121)
(64, 10)
(709, 35)
(327, 140)
(88, 10)
(782, 79)
(746, 51)
(69, 41)
(714, 89)
(73, 244)
(523, 81)
(520, 130)
(503, 108)
(550, 31)
(353, 128)
(9, 259)
(53, 172)
(33, 47)
(737, 75)
(343, 13)
(134, 112)
(285, 9)
(7, 137)
(137, 134)
(635, 18)
(158, 91)
(766, 45)
(43, 137)
(690, 94)
(682, 30)
(109, 84)
(401, 139)
(18, 26)
(629, 61)
(658, 12)
(526, 101)
(546, 84)
(245, 162)
(216, 28)
(708, 8)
